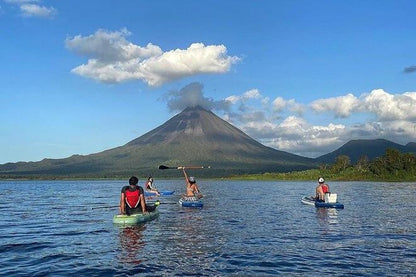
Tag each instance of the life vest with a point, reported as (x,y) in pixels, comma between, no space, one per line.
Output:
(132,198)
(325,189)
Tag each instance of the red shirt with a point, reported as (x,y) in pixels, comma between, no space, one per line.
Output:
(131,197)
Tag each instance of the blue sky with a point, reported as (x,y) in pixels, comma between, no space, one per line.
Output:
(80,77)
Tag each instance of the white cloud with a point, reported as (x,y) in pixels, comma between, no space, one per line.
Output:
(192,96)
(383,105)
(113,59)
(31,8)
(179,63)
(250,94)
(393,118)
(251,108)
(279,104)
(295,135)
(342,105)
(293,132)
(389,107)
(20,1)
(232,99)
(107,47)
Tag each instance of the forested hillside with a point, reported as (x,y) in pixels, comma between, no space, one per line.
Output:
(392,166)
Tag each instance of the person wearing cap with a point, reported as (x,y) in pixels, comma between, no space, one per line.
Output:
(149,186)
(192,189)
(132,198)
(321,189)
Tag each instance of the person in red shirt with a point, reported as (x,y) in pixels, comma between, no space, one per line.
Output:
(132,198)
(321,189)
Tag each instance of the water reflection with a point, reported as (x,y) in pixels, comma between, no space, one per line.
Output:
(192,234)
(195,242)
(327,216)
(131,242)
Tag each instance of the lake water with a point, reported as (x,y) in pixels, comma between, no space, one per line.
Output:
(61,228)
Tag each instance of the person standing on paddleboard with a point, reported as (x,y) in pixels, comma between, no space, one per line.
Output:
(321,189)
(132,198)
(192,189)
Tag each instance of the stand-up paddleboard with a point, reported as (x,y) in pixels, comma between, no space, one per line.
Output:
(134,218)
(139,218)
(191,202)
(162,193)
(310,200)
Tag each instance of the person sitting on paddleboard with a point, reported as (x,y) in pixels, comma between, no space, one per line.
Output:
(149,186)
(132,198)
(321,189)
(192,189)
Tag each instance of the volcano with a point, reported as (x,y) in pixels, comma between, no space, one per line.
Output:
(195,136)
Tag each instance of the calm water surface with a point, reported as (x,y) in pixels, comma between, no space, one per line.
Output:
(60,228)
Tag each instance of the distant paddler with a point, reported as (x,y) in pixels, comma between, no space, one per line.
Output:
(149,186)
(192,189)
(321,190)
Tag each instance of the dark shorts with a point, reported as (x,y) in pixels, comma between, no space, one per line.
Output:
(136,210)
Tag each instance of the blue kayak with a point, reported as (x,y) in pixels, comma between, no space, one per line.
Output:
(310,200)
(162,193)
(191,202)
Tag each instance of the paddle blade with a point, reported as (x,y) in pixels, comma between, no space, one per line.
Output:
(182,167)
(167,167)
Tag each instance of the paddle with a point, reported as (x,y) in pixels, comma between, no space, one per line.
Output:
(160,203)
(104,207)
(156,203)
(162,167)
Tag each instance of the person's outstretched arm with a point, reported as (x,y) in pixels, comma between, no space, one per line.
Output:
(186,175)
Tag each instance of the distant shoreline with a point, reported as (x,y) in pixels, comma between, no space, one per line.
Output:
(293,176)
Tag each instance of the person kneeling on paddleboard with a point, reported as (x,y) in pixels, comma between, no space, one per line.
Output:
(132,198)
(321,189)
(192,189)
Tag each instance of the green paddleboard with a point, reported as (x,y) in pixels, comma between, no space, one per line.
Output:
(135,218)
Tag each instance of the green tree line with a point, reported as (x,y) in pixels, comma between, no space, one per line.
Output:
(392,166)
